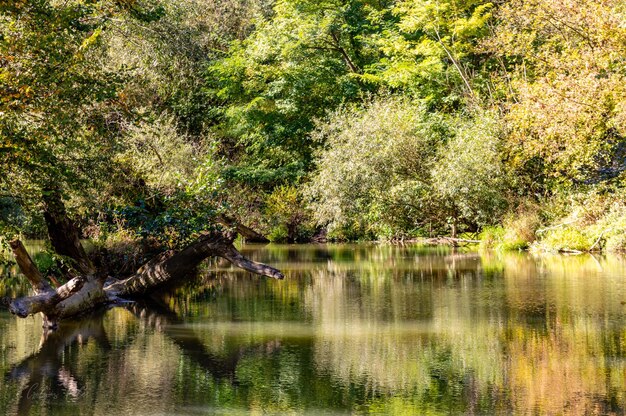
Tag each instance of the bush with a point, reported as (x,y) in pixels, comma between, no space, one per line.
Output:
(565,238)
(288,218)
(517,231)
(617,242)
(491,236)
(610,226)
(279,234)
(520,229)
(469,175)
(595,220)
(124,251)
(160,155)
(373,177)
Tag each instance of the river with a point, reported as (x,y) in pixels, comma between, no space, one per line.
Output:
(368,328)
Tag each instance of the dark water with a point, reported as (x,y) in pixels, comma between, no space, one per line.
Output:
(353,329)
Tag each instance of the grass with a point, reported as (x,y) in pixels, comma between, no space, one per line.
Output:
(517,232)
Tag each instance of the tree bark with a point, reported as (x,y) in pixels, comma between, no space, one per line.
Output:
(28,268)
(170,266)
(63,233)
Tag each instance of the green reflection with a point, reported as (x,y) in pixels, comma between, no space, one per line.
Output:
(380,329)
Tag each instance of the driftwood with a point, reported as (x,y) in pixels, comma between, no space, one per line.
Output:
(455,242)
(88,288)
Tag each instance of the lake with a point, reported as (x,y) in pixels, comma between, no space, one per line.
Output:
(368,328)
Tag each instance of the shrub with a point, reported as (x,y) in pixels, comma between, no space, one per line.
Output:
(616,242)
(279,234)
(160,155)
(491,236)
(520,230)
(565,238)
(373,177)
(469,175)
(287,215)
(123,250)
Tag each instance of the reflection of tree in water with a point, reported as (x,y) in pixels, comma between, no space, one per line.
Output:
(475,339)
(391,333)
(61,370)
(48,373)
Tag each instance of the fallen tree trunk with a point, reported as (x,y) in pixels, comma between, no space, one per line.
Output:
(85,292)
(170,266)
(247,233)
(87,287)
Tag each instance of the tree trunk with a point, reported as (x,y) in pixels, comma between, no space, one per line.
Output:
(63,233)
(28,268)
(91,289)
(247,233)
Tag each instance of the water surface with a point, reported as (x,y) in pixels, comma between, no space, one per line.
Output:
(377,329)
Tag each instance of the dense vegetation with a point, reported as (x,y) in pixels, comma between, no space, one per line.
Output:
(360,119)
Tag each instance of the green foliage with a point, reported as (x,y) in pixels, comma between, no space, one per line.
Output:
(57,96)
(616,242)
(289,219)
(166,57)
(491,236)
(566,80)
(594,221)
(162,157)
(46,263)
(394,169)
(295,66)
(469,176)
(381,119)
(518,231)
(373,176)
(171,220)
(566,238)
(14,220)
(431,50)
(611,227)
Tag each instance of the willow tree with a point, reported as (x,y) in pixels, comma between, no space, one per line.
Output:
(60,130)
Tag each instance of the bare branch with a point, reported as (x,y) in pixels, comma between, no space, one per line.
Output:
(28,268)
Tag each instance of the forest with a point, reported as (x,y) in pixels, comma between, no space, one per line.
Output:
(145,124)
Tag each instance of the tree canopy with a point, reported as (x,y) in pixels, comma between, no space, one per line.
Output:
(377,119)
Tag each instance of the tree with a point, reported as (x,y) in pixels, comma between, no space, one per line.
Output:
(57,101)
(373,177)
(469,175)
(566,83)
(431,51)
(304,60)
(59,136)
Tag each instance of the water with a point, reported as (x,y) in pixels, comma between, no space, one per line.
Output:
(353,329)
